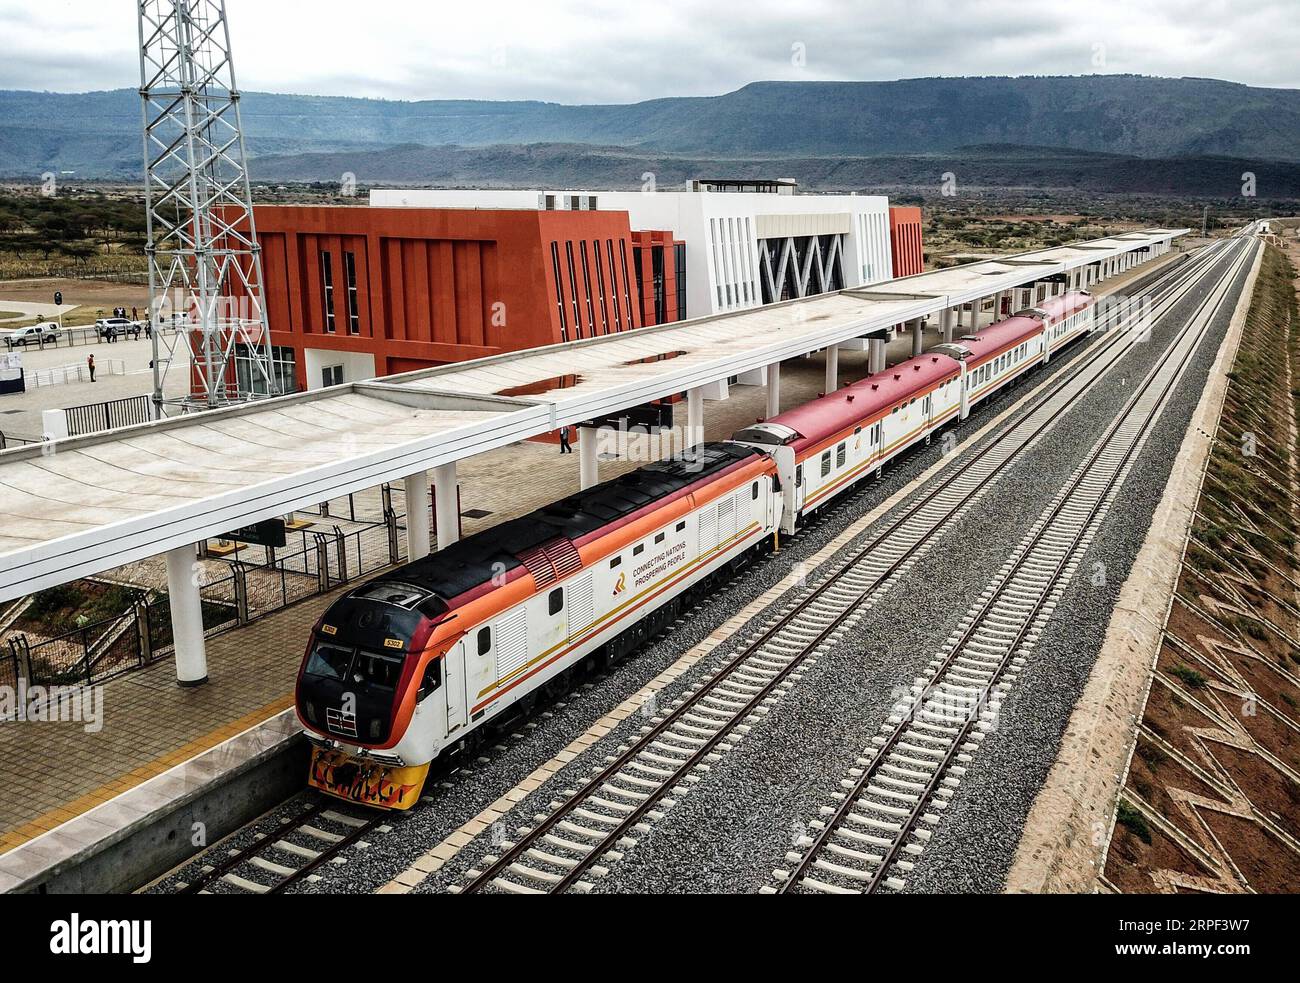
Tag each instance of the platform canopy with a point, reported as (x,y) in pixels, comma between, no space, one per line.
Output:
(79,506)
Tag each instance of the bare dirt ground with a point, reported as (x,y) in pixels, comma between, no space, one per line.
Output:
(85,293)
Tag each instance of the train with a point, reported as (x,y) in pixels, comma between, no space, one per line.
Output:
(410,667)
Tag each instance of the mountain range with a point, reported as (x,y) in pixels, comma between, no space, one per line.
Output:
(810,124)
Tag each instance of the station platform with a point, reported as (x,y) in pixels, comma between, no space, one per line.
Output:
(55,772)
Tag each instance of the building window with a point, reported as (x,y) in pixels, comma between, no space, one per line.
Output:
(600,285)
(660,288)
(559,286)
(573,290)
(586,286)
(613,286)
(327,289)
(636,268)
(332,375)
(627,296)
(252,380)
(679,263)
(354,310)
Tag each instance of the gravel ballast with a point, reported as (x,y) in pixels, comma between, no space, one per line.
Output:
(736,823)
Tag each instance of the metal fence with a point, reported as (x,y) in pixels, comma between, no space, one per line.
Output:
(86,654)
(70,337)
(14,440)
(59,375)
(94,417)
(251,590)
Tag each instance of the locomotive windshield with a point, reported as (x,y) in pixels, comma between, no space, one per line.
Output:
(329,661)
(377,670)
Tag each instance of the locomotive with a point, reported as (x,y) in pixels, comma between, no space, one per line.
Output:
(408,667)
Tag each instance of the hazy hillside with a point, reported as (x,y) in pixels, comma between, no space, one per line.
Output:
(579,166)
(97,134)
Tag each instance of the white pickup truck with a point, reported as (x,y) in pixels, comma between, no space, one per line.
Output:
(33,334)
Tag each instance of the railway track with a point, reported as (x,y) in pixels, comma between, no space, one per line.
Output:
(288,855)
(594,823)
(897,793)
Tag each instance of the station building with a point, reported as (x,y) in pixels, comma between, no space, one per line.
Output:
(427,277)
(748,242)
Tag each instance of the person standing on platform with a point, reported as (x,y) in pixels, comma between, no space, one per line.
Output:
(90,364)
(564,441)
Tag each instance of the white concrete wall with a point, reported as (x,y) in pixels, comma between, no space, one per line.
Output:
(357,366)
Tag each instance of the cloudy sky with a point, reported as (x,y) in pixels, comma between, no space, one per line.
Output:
(581,51)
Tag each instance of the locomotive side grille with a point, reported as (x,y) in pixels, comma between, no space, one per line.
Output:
(582,611)
(539,565)
(512,643)
(708,528)
(564,556)
(726,518)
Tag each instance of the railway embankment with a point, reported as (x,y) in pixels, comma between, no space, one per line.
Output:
(1180,767)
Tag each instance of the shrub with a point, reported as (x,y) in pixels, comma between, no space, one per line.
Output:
(1190,676)
(1134,822)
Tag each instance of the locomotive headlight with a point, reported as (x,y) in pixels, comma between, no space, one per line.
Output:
(374,729)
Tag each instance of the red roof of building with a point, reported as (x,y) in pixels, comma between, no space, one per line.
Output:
(822,418)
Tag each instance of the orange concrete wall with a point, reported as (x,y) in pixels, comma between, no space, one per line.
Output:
(905,240)
(647,241)
(444,285)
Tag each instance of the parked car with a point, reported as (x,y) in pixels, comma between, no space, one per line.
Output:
(33,334)
(110,327)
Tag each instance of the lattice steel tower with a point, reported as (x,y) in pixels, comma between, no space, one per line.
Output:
(205,266)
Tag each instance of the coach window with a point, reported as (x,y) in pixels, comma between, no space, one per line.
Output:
(841,453)
(615,562)
(638,549)
(660,538)
(681,526)
(753,491)
(826,464)
(556,600)
(484,640)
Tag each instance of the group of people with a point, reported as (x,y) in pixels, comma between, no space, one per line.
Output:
(132,330)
